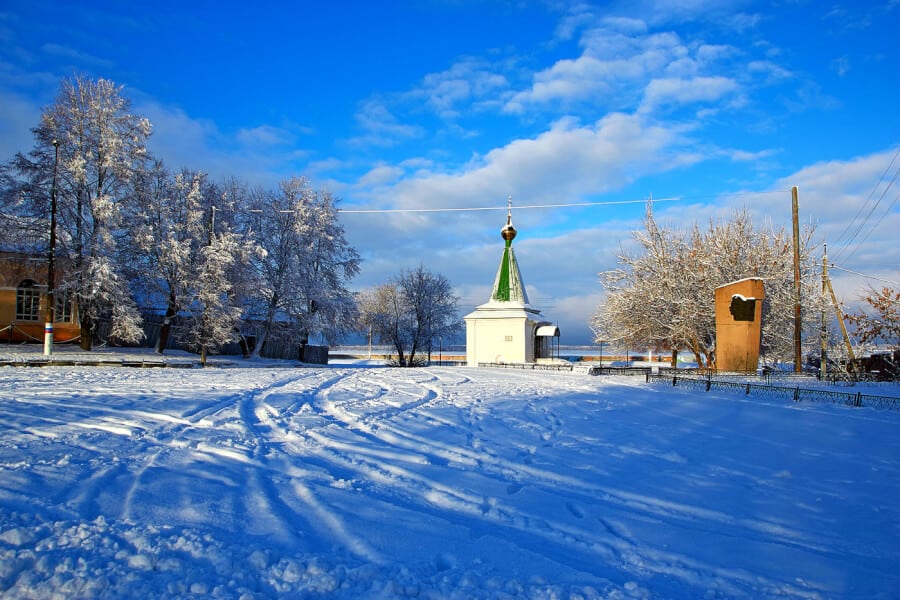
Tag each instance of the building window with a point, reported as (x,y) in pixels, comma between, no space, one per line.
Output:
(28,301)
(509,338)
(62,312)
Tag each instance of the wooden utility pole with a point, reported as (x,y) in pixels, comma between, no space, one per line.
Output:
(795,210)
(840,317)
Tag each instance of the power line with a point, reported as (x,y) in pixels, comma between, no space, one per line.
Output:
(889,208)
(483,208)
(556,205)
(858,228)
(864,275)
(500,208)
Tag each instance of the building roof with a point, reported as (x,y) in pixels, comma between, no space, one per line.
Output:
(508,286)
(509,289)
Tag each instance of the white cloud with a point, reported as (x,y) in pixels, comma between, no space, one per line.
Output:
(179,138)
(265,135)
(185,141)
(745,156)
(568,161)
(76,56)
(673,92)
(18,116)
(664,12)
(465,84)
(380,175)
(381,126)
(711,53)
(841,65)
(769,70)
(578,15)
(618,61)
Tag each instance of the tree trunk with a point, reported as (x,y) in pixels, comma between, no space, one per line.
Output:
(87,333)
(242,342)
(674,362)
(166,328)
(258,344)
(263,335)
(698,354)
(400,358)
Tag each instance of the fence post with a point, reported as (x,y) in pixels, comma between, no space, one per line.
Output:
(858,398)
(796,394)
(674,380)
(747,391)
(708,384)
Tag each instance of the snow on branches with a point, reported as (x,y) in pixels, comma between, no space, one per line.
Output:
(880,320)
(663,295)
(219,258)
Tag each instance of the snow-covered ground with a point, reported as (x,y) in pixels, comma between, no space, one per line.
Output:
(451,482)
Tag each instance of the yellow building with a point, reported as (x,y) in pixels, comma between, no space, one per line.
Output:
(23,302)
(506,328)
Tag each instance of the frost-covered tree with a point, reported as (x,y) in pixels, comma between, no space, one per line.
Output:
(302,275)
(643,304)
(221,276)
(101,146)
(170,231)
(186,256)
(383,318)
(878,318)
(214,314)
(24,211)
(409,312)
(663,295)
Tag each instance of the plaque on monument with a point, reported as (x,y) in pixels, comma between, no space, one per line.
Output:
(742,309)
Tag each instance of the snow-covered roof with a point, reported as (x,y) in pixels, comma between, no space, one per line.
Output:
(547,331)
(739,281)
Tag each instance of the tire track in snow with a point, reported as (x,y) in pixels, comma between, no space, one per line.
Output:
(292,499)
(379,466)
(389,463)
(181,436)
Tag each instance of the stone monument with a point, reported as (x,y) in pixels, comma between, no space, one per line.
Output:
(739,324)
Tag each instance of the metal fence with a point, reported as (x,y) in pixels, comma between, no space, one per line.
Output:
(797,394)
(530,366)
(633,371)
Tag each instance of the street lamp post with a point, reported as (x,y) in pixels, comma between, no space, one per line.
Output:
(51,293)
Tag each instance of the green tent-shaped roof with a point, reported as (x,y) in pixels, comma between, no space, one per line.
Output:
(508,286)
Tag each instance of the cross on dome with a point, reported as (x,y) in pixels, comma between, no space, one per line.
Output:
(508,233)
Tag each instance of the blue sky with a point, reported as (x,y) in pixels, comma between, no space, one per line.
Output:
(708,105)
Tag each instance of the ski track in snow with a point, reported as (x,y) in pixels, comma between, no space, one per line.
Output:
(452,482)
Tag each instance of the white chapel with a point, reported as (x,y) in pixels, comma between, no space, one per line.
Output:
(507,328)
